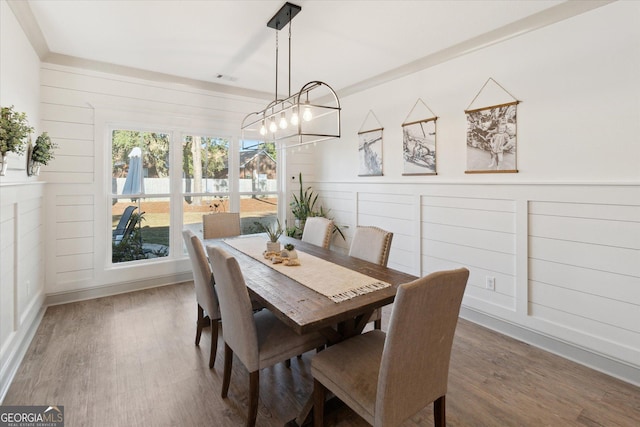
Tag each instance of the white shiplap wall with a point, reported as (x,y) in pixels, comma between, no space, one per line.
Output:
(585,271)
(565,257)
(76,106)
(22,203)
(478,233)
(560,236)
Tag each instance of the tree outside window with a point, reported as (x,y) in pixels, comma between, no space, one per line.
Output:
(140,195)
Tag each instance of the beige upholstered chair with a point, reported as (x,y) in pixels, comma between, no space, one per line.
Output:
(220,224)
(205,294)
(259,339)
(372,244)
(387,379)
(317,231)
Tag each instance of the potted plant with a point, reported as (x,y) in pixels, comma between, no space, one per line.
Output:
(302,207)
(41,154)
(14,129)
(274,231)
(303,204)
(289,251)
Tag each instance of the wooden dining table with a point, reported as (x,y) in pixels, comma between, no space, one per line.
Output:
(305,310)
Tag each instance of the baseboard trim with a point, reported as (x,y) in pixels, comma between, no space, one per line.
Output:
(115,289)
(598,362)
(20,343)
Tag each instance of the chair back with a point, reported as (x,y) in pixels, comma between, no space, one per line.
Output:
(415,361)
(220,224)
(124,220)
(202,277)
(317,231)
(239,330)
(371,244)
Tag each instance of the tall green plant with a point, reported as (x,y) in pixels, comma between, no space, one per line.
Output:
(303,205)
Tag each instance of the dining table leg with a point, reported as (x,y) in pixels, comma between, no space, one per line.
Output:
(304,418)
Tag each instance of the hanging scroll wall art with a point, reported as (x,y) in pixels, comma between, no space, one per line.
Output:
(370,148)
(419,143)
(419,147)
(492,137)
(370,152)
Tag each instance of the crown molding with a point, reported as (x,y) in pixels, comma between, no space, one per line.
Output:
(560,12)
(106,67)
(27,21)
(552,15)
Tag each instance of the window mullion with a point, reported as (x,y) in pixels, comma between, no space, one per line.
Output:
(234,176)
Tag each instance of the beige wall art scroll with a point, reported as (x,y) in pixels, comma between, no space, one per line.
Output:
(419,142)
(492,134)
(370,147)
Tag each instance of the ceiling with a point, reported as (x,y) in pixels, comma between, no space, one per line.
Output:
(342,43)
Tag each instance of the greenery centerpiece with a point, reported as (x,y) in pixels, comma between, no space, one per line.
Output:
(14,129)
(274,231)
(41,154)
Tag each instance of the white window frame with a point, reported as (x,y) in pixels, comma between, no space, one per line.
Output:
(108,118)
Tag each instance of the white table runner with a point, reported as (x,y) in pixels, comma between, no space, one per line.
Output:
(331,280)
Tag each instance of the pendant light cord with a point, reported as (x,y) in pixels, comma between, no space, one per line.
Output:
(276,94)
(290,23)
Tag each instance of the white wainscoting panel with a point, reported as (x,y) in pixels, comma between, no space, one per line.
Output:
(475,233)
(22,272)
(565,257)
(394,212)
(584,271)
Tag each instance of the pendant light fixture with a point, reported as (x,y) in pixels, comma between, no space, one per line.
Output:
(308,116)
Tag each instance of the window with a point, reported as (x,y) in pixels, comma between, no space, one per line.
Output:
(205,178)
(140,195)
(151,202)
(258,185)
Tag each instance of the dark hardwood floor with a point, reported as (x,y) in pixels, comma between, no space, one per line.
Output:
(130,360)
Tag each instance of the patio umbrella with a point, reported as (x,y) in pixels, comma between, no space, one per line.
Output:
(134,183)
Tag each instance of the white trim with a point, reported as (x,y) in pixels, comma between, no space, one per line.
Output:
(19,343)
(66,297)
(476,181)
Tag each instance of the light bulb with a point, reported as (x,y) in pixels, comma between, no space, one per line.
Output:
(294,117)
(306,114)
(283,121)
(263,129)
(272,126)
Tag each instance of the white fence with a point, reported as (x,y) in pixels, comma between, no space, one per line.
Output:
(162,185)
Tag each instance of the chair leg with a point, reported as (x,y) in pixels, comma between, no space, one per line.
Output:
(319,392)
(199,323)
(226,376)
(254,390)
(214,342)
(377,324)
(439,412)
